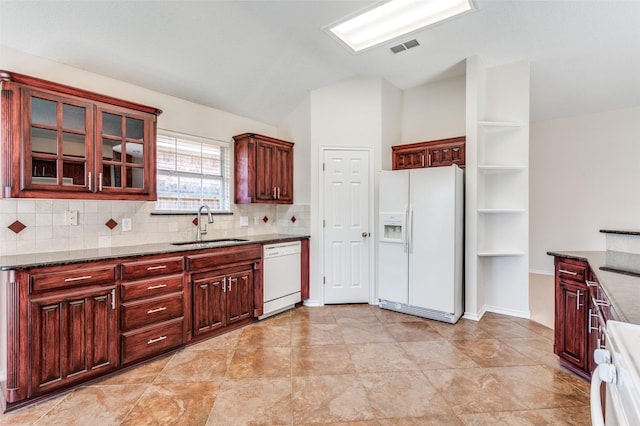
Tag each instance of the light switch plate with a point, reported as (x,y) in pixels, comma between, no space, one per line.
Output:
(126,224)
(71,217)
(244,220)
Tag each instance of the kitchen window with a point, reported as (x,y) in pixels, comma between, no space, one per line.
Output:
(191,171)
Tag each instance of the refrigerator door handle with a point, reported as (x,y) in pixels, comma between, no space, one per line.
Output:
(410,230)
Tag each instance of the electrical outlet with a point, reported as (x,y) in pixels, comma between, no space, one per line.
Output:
(126,224)
(256,220)
(71,217)
(244,220)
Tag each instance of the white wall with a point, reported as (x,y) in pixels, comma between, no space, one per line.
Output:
(178,115)
(434,111)
(584,176)
(347,114)
(44,218)
(297,128)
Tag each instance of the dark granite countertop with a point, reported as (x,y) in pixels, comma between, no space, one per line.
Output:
(619,275)
(619,232)
(25,261)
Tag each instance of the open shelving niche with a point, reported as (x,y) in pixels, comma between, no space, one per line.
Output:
(497,199)
(501,199)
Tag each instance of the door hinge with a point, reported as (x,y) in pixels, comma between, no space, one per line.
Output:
(323,223)
(324,280)
(323,167)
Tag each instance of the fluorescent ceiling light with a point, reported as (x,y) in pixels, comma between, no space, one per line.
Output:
(394,19)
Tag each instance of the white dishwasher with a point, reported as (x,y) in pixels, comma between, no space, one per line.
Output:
(281,277)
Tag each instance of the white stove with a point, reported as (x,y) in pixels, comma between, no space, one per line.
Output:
(619,368)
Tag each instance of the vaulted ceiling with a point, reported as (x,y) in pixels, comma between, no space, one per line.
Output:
(260,58)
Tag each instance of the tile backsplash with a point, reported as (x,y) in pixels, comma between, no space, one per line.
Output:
(46,230)
(623,243)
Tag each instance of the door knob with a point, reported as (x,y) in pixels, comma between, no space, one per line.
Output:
(365,234)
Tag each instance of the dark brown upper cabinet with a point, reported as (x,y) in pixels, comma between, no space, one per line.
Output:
(63,142)
(436,153)
(263,169)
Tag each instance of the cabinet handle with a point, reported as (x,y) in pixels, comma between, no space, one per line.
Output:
(564,271)
(153,268)
(278,193)
(153,311)
(154,287)
(599,302)
(274,193)
(89,181)
(422,159)
(224,285)
(113,299)
(157,339)
(591,315)
(578,305)
(100,182)
(84,277)
(429,159)
(591,283)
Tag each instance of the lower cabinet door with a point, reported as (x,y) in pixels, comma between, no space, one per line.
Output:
(208,304)
(74,337)
(239,296)
(572,301)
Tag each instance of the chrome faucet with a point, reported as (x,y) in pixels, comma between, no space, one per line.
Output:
(202,228)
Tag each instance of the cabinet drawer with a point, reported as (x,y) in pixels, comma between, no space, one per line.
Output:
(149,268)
(152,340)
(574,270)
(150,288)
(76,277)
(221,257)
(149,311)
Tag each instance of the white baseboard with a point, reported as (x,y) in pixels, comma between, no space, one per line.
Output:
(497,310)
(509,312)
(312,303)
(473,315)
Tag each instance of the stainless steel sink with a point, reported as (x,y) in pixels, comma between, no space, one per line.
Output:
(207,243)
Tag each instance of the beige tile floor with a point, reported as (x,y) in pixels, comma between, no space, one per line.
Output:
(342,365)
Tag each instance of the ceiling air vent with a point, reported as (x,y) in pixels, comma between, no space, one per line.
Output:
(404,46)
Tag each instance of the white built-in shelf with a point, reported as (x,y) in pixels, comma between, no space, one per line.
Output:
(501,124)
(500,211)
(500,253)
(501,168)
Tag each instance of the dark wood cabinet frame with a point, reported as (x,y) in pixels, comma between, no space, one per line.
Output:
(263,169)
(15,177)
(435,153)
(100,292)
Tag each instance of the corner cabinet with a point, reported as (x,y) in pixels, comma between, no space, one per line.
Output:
(571,307)
(581,311)
(263,169)
(63,142)
(436,153)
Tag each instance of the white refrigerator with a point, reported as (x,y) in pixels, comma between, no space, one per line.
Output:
(421,242)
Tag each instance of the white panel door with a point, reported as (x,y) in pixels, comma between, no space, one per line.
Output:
(347,243)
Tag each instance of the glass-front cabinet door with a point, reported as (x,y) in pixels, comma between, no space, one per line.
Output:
(123,151)
(58,139)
